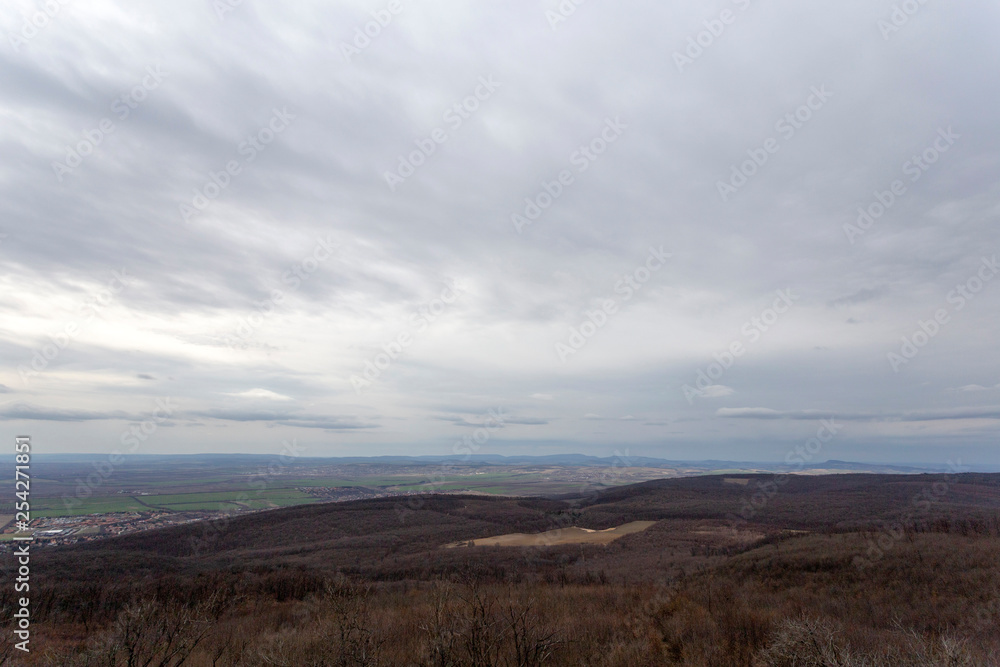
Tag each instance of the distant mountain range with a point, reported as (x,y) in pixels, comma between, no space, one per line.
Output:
(581,460)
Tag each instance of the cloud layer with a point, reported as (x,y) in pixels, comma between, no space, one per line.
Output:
(670,229)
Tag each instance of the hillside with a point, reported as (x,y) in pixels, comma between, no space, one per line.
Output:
(827,548)
(376,537)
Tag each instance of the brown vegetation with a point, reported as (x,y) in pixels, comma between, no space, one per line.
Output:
(813,580)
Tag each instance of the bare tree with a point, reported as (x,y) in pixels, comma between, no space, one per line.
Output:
(532,645)
(147,634)
(442,637)
(358,643)
(480,626)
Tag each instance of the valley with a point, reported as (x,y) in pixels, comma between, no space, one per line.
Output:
(847,562)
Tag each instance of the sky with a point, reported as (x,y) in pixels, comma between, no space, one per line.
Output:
(681,230)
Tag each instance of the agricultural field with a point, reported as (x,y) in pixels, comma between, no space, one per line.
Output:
(81,486)
(211,485)
(42,507)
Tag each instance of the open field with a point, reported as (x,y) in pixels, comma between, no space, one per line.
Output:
(65,487)
(570,535)
(79,486)
(42,507)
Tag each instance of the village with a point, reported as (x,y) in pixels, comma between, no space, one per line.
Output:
(53,531)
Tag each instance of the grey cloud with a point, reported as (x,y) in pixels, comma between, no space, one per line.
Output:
(489,422)
(991,412)
(32,412)
(284,418)
(753,413)
(973,387)
(327,424)
(200,282)
(861,296)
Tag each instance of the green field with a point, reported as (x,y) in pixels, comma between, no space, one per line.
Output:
(216,506)
(182,486)
(332,481)
(223,496)
(52,507)
(180,502)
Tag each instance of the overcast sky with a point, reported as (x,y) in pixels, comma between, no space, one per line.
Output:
(620,226)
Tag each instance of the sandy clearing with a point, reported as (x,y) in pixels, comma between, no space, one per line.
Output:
(572,535)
